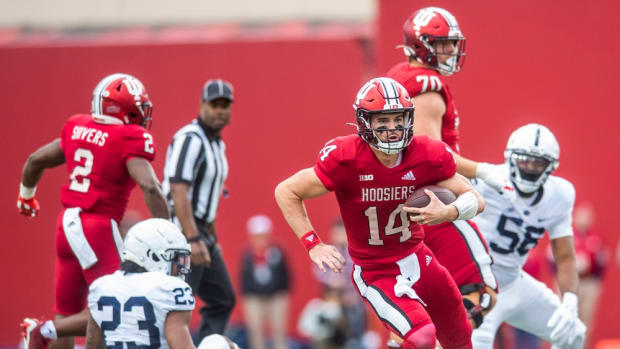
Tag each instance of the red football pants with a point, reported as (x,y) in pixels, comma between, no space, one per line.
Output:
(462,250)
(70,279)
(404,315)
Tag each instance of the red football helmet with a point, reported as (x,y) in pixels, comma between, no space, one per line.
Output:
(427,27)
(383,96)
(124,97)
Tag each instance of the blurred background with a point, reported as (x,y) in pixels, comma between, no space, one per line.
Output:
(296,66)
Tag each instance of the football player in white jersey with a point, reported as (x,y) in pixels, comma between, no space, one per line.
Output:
(146,303)
(513,226)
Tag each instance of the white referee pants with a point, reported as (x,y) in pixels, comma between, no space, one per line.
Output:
(527,304)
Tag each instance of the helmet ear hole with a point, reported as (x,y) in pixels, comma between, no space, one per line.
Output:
(155,258)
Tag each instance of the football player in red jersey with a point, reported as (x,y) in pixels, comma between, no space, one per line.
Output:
(372,174)
(106,153)
(435,48)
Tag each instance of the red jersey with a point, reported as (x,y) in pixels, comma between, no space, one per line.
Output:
(418,80)
(371,196)
(95,155)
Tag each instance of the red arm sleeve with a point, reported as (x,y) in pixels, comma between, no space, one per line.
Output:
(138,142)
(327,165)
(441,159)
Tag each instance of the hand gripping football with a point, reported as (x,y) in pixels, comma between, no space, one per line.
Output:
(419,198)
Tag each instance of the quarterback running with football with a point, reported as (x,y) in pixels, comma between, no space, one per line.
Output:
(435,48)
(372,173)
(512,228)
(106,154)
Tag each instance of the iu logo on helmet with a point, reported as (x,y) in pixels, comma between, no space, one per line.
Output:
(423,18)
(134,86)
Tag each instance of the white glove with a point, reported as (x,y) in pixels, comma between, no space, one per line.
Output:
(564,321)
(495,178)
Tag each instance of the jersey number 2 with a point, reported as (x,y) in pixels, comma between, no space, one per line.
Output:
(390,229)
(81,171)
(147,324)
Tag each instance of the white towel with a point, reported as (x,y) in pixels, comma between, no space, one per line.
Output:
(409,275)
(72,225)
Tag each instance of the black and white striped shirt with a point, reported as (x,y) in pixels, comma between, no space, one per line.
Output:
(198,158)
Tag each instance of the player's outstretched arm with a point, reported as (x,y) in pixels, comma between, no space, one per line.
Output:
(290,194)
(176,329)
(48,156)
(467,204)
(94,337)
(564,254)
(429,110)
(564,320)
(185,214)
(142,173)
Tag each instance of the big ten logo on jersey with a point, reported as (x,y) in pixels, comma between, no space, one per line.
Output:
(327,149)
(90,135)
(429,83)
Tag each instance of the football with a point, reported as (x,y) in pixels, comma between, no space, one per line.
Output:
(419,198)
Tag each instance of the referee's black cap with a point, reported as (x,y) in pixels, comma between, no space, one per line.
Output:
(217,88)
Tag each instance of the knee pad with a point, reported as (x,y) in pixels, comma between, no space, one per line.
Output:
(423,338)
(474,311)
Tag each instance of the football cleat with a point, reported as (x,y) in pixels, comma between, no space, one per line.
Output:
(31,331)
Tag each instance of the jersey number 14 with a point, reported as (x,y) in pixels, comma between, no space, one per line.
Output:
(390,229)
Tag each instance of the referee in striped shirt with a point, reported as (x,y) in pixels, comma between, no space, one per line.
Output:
(194,175)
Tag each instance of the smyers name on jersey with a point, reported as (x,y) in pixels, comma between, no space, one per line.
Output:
(387,193)
(90,135)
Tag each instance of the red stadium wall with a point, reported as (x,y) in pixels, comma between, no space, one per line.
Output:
(549,62)
(290,99)
(527,61)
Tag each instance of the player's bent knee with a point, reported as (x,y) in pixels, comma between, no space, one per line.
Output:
(424,338)
(478,301)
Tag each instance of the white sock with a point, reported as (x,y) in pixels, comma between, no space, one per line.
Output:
(48,330)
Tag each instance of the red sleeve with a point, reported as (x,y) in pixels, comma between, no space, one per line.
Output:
(327,165)
(138,142)
(442,159)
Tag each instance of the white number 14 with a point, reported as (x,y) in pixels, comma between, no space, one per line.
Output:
(373,225)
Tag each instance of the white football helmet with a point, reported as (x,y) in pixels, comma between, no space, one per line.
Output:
(158,245)
(217,341)
(532,153)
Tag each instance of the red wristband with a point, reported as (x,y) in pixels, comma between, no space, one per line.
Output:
(310,239)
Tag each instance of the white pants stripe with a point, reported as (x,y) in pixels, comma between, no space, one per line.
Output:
(118,239)
(384,309)
(74,233)
(478,251)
